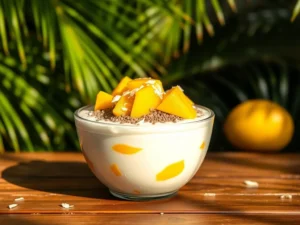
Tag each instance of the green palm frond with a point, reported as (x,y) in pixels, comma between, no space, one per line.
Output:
(180,21)
(296,11)
(251,35)
(69,50)
(30,117)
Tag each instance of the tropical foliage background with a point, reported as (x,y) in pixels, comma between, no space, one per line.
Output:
(55,55)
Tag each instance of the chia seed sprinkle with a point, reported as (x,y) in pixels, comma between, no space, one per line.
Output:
(155,116)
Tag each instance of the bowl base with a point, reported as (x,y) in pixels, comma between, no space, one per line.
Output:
(142,197)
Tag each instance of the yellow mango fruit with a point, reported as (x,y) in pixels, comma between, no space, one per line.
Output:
(174,103)
(259,125)
(103,101)
(145,100)
(123,106)
(136,83)
(121,86)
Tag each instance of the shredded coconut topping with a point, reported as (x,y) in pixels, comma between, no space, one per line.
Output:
(150,82)
(116,98)
(180,88)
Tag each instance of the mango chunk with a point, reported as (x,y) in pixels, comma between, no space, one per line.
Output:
(182,95)
(123,106)
(103,101)
(145,100)
(174,103)
(136,83)
(121,86)
(170,171)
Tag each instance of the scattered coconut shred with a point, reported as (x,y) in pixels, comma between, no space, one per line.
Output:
(66,205)
(209,194)
(286,196)
(11,206)
(251,184)
(19,199)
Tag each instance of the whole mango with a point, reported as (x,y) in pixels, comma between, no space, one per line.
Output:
(259,125)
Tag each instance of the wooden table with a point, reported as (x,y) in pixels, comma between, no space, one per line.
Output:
(45,180)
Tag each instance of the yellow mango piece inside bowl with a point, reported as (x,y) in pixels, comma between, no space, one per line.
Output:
(123,106)
(175,103)
(145,100)
(121,86)
(103,101)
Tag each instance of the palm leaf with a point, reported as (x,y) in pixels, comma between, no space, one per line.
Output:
(296,11)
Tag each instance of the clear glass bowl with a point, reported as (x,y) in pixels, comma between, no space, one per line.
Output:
(138,162)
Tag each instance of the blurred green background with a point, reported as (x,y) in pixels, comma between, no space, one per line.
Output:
(55,55)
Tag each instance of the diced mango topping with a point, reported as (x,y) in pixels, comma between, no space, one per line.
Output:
(145,100)
(182,95)
(103,101)
(137,97)
(123,106)
(174,103)
(121,86)
(137,83)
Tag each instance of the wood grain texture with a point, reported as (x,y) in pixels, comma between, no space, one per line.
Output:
(157,219)
(46,180)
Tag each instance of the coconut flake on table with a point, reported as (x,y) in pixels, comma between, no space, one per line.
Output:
(11,206)
(19,199)
(286,196)
(251,184)
(66,205)
(209,194)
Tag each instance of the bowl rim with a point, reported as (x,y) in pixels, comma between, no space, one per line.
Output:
(184,122)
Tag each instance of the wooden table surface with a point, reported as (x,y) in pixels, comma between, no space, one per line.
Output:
(45,180)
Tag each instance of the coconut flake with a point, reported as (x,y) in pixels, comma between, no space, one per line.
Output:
(251,184)
(19,199)
(180,88)
(157,91)
(141,121)
(126,93)
(11,206)
(209,194)
(66,205)
(286,196)
(150,82)
(116,98)
(124,109)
